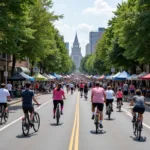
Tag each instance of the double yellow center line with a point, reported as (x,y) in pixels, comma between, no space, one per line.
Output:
(74,141)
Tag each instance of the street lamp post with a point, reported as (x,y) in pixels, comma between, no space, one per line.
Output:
(6,71)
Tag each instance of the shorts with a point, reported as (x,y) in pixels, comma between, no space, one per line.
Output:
(119,99)
(108,101)
(72,89)
(55,102)
(81,89)
(140,110)
(28,109)
(3,104)
(132,91)
(99,106)
(125,93)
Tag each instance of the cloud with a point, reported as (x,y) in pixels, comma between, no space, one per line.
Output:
(84,28)
(100,7)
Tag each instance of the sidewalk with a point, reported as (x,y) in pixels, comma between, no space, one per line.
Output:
(18,100)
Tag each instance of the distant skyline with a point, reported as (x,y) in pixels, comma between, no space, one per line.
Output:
(83,16)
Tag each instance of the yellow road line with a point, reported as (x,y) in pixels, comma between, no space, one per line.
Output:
(76,144)
(73,130)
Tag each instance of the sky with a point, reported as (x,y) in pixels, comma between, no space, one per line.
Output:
(82,16)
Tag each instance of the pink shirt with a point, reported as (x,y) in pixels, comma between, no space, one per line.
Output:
(132,87)
(98,95)
(119,94)
(58,95)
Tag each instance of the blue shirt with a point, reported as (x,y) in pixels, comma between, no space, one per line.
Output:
(27,96)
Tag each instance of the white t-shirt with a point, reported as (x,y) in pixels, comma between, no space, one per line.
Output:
(9,87)
(3,95)
(109,94)
(71,85)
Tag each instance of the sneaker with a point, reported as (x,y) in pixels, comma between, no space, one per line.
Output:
(121,103)
(112,110)
(93,117)
(53,117)
(61,113)
(100,125)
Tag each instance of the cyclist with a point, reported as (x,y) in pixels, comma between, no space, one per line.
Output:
(4,95)
(119,96)
(85,90)
(109,98)
(27,97)
(67,87)
(81,86)
(139,105)
(98,97)
(125,91)
(72,87)
(58,95)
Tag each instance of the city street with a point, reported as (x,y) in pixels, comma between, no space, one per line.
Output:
(76,130)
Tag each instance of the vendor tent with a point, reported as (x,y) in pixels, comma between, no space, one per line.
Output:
(40,77)
(109,77)
(49,77)
(116,75)
(16,77)
(123,76)
(133,77)
(147,77)
(142,75)
(102,77)
(27,77)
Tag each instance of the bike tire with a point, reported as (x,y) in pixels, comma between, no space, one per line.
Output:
(6,116)
(139,130)
(57,120)
(36,119)
(96,124)
(25,126)
(109,115)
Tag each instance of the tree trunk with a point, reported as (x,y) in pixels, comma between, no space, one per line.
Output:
(13,65)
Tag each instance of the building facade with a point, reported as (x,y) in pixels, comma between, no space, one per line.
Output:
(88,52)
(76,53)
(67,46)
(94,37)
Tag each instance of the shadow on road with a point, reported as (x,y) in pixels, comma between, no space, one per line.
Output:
(111,119)
(143,139)
(24,137)
(99,132)
(14,108)
(54,124)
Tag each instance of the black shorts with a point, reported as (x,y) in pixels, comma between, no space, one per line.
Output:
(55,102)
(132,91)
(119,99)
(28,109)
(81,89)
(108,101)
(3,104)
(72,89)
(125,93)
(140,110)
(99,106)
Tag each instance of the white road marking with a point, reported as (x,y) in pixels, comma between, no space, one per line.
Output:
(1,129)
(129,114)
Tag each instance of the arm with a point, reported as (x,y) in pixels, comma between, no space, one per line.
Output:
(92,96)
(104,96)
(35,100)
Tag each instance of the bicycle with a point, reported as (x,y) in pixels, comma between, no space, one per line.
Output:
(3,115)
(81,93)
(26,123)
(96,121)
(137,127)
(57,114)
(119,105)
(109,110)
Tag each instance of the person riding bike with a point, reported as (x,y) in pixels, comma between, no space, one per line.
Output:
(4,95)
(58,95)
(72,87)
(98,97)
(27,97)
(119,96)
(81,86)
(125,91)
(109,98)
(67,87)
(85,90)
(139,105)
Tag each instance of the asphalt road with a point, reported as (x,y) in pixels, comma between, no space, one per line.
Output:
(76,130)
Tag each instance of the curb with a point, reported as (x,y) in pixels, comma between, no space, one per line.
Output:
(18,101)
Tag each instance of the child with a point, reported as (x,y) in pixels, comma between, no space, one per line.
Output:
(119,96)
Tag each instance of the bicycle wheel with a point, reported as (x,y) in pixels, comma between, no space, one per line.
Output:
(6,115)
(139,130)
(119,106)
(36,121)
(25,126)
(57,115)
(96,125)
